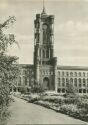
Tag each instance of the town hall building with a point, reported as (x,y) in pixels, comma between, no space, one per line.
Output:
(45,70)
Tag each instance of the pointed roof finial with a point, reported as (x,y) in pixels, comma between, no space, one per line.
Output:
(43,12)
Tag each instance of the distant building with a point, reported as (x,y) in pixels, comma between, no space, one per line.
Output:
(26,77)
(75,75)
(45,70)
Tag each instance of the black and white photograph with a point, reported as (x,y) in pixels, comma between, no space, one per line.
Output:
(43,62)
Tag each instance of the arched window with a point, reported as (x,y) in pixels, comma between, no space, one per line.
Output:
(71,74)
(75,74)
(44,35)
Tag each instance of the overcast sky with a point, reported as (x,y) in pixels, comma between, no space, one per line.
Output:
(70,28)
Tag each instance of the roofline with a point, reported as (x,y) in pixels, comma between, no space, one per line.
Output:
(72,67)
(25,65)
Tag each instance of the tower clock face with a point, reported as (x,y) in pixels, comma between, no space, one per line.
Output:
(44,26)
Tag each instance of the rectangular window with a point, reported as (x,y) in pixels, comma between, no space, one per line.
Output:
(59,82)
(71,80)
(67,80)
(67,74)
(80,85)
(75,82)
(84,81)
(84,90)
(63,84)
(80,90)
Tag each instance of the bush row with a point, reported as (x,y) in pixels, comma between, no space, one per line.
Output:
(74,111)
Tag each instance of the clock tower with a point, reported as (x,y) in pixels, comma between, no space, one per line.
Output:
(45,63)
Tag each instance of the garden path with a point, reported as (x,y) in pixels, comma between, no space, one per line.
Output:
(23,112)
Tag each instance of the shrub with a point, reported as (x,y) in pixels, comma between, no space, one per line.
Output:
(23,90)
(70,91)
(33,98)
(69,109)
(54,99)
(83,103)
(4,114)
(37,89)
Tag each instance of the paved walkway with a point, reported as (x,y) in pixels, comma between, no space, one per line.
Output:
(28,113)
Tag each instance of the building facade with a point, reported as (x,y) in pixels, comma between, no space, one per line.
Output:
(25,78)
(45,71)
(75,76)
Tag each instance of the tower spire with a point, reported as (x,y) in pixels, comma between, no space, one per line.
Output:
(43,12)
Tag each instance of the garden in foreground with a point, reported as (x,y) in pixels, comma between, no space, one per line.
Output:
(70,104)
